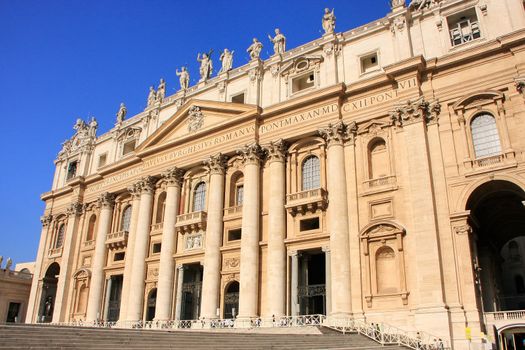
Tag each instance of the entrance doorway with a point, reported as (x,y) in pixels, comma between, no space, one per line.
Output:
(191,292)
(312,283)
(151,303)
(13,313)
(49,291)
(115,292)
(231,300)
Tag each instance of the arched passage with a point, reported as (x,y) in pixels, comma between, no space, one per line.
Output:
(497,217)
(49,291)
(231,300)
(151,302)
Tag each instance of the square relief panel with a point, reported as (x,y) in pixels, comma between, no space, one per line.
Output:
(381,209)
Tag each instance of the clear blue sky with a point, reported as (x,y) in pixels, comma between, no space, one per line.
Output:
(60,60)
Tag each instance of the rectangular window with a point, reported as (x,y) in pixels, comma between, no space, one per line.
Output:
(303,82)
(234,235)
(239,195)
(156,248)
(239,98)
(128,147)
(369,63)
(463,27)
(72,169)
(102,160)
(309,224)
(119,256)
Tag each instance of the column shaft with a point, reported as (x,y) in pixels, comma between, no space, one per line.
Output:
(294,285)
(328,279)
(178,299)
(97,274)
(106,300)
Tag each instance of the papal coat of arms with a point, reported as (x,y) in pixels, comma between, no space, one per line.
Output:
(195,119)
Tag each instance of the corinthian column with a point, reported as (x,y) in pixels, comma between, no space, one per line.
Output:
(45,220)
(73,213)
(106,203)
(173,179)
(276,265)
(337,213)
(140,251)
(135,191)
(212,258)
(251,212)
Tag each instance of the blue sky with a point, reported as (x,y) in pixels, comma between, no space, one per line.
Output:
(60,60)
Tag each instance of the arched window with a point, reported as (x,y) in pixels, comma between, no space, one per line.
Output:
(378,162)
(520,286)
(91,228)
(485,136)
(83,293)
(387,280)
(60,236)
(199,197)
(514,251)
(126,219)
(311,173)
(237,189)
(161,205)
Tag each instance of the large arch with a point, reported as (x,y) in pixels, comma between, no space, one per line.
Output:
(49,290)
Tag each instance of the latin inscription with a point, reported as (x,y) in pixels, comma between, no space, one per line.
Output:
(298,118)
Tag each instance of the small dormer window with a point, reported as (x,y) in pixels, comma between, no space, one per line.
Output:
(463,27)
(72,169)
(239,98)
(369,63)
(129,147)
(303,82)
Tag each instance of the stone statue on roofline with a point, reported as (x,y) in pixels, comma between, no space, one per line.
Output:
(121,114)
(255,49)
(328,21)
(227,60)
(279,42)
(161,90)
(418,5)
(8,264)
(184,78)
(206,65)
(1,260)
(396,3)
(152,96)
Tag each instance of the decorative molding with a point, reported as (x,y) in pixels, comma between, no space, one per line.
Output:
(276,151)
(251,154)
(195,119)
(46,220)
(463,229)
(216,164)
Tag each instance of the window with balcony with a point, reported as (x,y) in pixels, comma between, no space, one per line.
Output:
(485,137)
(126,219)
(199,197)
(311,173)
(463,27)
(91,228)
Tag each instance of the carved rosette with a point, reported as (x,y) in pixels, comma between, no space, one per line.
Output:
(106,200)
(251,154)
(46,220)
(216,164)
(276,151)
(173,176)
(415,111)
(147,184)
(134,190)
(75,209)
(338,133)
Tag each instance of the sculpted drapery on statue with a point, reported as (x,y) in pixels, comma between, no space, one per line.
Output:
(328,21)
(279,42)
(184,78)
(422,4)
(121,114)
(397,3)
(206,66)
(152,96)
(227,61)
(161,90)
(255,49)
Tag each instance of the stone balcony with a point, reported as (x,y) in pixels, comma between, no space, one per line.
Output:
(156,229)
(88,245)
(55,252)
(307,201)
(496,162)
(233,212)
(383,183)
(117,240)
(191,222)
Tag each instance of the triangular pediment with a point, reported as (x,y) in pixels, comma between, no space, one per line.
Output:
(194,119)
(373,126)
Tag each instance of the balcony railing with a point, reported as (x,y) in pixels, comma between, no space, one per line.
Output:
(89,244)
(380,182)
(306,201)
(157,228)
(117,239)
(55,252)
(189,222)
(505,315)
(489,161)
(233,212)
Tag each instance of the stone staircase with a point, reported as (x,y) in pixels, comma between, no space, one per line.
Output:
(55,337)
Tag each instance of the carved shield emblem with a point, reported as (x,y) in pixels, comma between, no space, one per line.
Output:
(195,119)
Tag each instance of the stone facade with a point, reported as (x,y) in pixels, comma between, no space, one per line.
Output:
(15,286)
(337,177)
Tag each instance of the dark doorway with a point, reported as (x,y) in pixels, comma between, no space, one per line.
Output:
(115,292)
(151,303)
(231,300)
(49,291)
(13,313)
(191,292)
(312,283)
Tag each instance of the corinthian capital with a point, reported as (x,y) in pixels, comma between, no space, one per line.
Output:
(276,151)
(216,164)
(147,184)
(106,200)
(46,220)
(251,154)
(173,176)
(338,133)
(74,209)
(415,111)
(135,190)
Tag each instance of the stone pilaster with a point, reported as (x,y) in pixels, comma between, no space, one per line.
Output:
(32,303)
(294,284)
(106,203)
(178,298)
(136,295)
(328,282)
(73,213)
(135,191)
(173,177)
(216,166)
(337,213)
(251,212)
(276,262)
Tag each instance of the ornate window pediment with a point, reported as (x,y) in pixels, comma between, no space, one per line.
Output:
(301,64)
(373,127)
(478,99)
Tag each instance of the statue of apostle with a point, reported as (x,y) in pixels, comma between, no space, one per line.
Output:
(184,78)
(328,21)
(255,49)
(152,96)
(161,90)
(227,60)
(206,68)
(121,114)
(279,42)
